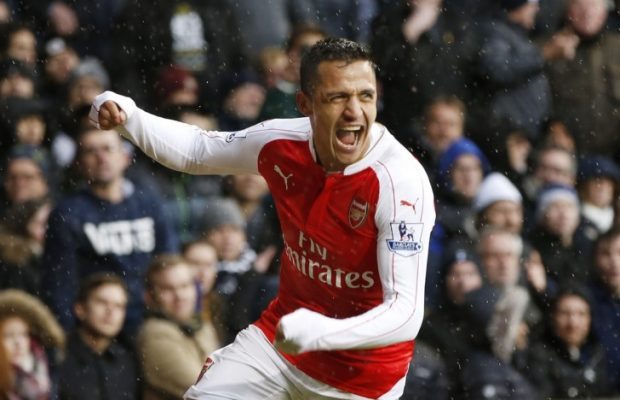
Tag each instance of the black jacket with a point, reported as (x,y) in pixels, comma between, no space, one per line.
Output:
(512,90)
(557,375)
(85,374)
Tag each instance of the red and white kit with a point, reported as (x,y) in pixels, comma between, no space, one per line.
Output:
(356,242)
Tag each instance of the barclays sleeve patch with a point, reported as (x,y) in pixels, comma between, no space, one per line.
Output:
(406,238)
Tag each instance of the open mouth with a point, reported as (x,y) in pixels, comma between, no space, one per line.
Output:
(348,136)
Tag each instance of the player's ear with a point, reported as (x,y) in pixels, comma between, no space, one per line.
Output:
(304,103)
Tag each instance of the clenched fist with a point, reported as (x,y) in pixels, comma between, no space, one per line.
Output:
(111,115)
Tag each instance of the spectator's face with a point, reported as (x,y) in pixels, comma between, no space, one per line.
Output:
(342,109)
(23,47)
(203,258)
(587,17)
(598,192)
(17,85)
(24,181)
(444,125)
(559,135)
(187,94)
(500,259)
(245,101)
(60,66)
(571,320)
(103,313)
(83,91)
(608,263)
(561,218)
(504,214)
(229,241)
(304,42)
(5,12)
(15,338)
(249,187)
(30,130)
(555,166)
(174,292)
(462,279)
(467,176)
(102,156)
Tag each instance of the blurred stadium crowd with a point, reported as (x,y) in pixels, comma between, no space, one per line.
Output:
(119,276)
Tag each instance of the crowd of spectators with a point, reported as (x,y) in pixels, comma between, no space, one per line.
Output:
(118,276)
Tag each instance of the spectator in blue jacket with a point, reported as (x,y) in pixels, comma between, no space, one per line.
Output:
(112,225)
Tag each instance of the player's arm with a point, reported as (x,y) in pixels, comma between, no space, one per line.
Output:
(177,145)
(402,268)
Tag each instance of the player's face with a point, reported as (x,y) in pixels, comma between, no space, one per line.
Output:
(342,109)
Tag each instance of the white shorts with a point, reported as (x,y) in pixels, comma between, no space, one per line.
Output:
(252,369)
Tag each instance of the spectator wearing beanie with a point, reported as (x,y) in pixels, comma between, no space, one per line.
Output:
(498,203)
(88,79)
(27,176)
(244,97)
(239,279)
(597,184)
(60,61)
(177,87)
(559,235)
(445,328)
(461,169)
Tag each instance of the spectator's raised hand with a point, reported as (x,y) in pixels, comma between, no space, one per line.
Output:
(424,14)
(561,46)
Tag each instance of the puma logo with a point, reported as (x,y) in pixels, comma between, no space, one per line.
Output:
(408,204)
(278,171)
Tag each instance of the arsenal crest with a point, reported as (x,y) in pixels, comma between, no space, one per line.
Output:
(358,211)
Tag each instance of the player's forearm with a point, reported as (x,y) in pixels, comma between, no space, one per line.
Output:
(171,143)
(394,321)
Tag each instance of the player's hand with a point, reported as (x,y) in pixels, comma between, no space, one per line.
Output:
(111,115)
(283,344)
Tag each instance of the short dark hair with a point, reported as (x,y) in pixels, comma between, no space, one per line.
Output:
(330,49)
(97,280)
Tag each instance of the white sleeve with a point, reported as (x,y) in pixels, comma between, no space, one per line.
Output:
(184,147)
(402,268)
